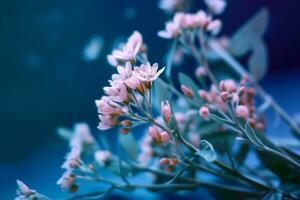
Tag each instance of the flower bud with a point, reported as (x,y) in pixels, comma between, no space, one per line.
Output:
(241,91)
(203,95)
(166,111)
(154,133)
(126,122)
(242,111)
(228,86)
(165,137)
(200,72)
(224,96)
(125,131)
(187,91)
(204,112)
(165,161)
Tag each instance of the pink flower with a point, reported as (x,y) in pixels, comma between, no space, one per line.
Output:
(147,73)
(66,180)
(117,91)
(129,50)
(102,157)
(190,21)
(242,111)
(165,109)
(126,75)
(228,86)
(204,95)
(173,30)
(202,19)
(106,122)
(216,6)
(214,26)
(204,112)
(107,107)
(154,133)
(224,96)
(82,134)
(187,91)
(157,136)
(73,159)
(200,72)
(24,191)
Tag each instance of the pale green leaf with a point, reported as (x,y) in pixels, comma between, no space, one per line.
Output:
(206,151)
(64,133)
(128,143)
(243,40)
(258,61)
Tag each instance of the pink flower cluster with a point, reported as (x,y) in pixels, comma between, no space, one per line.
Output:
(80,142)
(182,22)
(241,97)
(123,85)
(129,50)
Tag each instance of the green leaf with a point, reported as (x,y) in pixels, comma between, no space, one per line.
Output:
(242,41)
(251,135)
(258,62)
(187,81)
(170,58)
(64,133)
(206,151)
(128,143)
(161,92)
(219,119)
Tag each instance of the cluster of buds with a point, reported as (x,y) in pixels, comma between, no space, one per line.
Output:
(169,164)
(182,22)
(241,97)
(129,50)
(81,141)
(123,86)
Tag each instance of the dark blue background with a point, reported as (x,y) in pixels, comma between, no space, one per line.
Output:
(44,82)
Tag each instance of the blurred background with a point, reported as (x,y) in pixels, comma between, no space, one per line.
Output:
(53,67)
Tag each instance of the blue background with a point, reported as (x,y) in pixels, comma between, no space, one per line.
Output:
(45,83)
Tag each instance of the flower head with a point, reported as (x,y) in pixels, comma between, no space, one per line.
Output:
(129,50)
(147,73)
